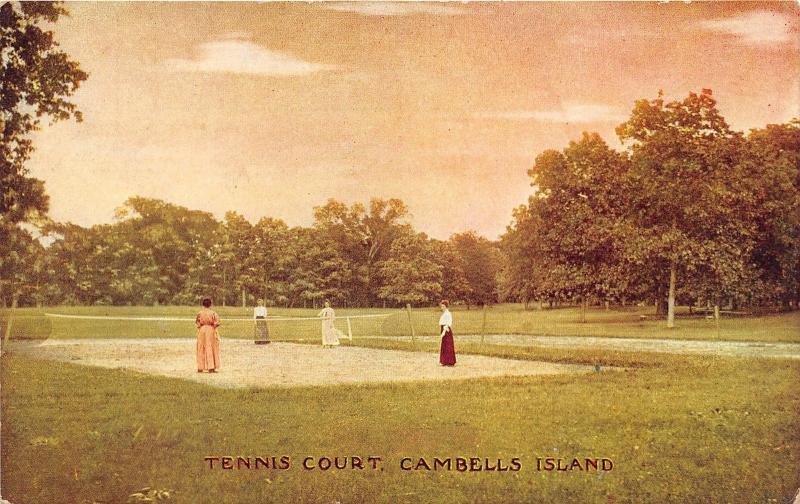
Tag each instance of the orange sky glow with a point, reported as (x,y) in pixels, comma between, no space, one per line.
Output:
(270,109)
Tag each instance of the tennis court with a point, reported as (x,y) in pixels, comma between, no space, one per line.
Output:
(281,364)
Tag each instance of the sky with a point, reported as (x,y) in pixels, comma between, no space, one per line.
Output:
(271,109)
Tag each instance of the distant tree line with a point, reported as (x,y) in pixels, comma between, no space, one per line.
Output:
(160,253)
(692,212)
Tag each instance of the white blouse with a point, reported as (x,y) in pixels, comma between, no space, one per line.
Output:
(446,319)
(260,311)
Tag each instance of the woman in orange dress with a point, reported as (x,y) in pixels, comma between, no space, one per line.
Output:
(207,322)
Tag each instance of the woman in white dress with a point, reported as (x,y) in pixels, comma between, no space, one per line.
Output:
(447,351)
(261,328)
(330,336)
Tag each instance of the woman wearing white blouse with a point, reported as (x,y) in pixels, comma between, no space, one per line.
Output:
(447,352)
(260,318)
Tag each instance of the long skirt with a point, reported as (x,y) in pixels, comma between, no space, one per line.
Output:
(447,353)
(207,348)
(262,330)
(330,336)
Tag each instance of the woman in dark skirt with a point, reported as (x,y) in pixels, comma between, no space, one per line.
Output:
(262,329)
(447,353)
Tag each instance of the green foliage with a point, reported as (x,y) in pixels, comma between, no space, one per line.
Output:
(690,200)
(363,238)
(159,253)
(580,196)
(481,262)
(455,285)
(36,80)
(774,165)
(411,274)
(22,267)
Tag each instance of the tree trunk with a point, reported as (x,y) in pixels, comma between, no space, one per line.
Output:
(584,303)
(224,286)
(673,267)
(410,322)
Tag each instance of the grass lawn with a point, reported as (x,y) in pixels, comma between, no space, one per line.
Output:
(500,319)
(677,428)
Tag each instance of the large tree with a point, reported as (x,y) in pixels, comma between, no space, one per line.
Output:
(523,275)
(455,286)
(773,169)
(317,271)
(364,238)
(411,275)
(683,191)
(268,261)
(237,233)
(186,245)
(481,263)
(581,196)
(36,78)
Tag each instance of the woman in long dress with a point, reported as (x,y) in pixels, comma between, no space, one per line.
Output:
(260,318)
(330,336)
(447,352)
(207,322)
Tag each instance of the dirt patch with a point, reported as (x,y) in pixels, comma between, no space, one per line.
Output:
(283,364)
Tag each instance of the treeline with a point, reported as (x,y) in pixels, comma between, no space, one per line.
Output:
(160,253)
(692,212)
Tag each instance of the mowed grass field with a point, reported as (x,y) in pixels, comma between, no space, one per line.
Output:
(677,428)
(632,322)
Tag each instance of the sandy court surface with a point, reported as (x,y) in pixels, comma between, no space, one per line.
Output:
(245,364)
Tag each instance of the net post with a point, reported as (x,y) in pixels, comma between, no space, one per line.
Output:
(410,322)
(349,330)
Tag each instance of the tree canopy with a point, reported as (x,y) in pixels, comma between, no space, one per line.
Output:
(691,211)
(36,80)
